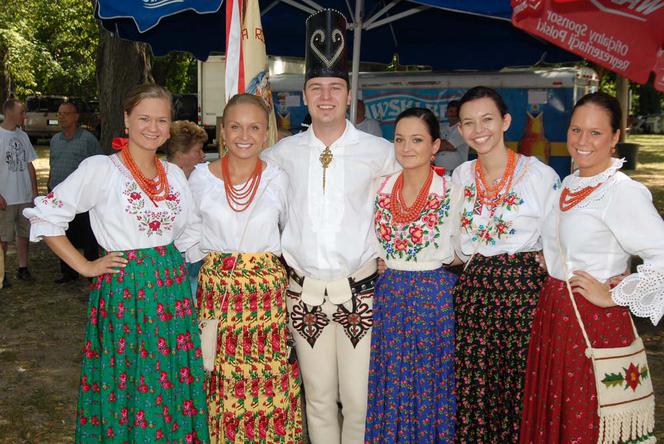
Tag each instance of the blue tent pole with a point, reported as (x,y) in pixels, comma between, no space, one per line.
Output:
(355,69)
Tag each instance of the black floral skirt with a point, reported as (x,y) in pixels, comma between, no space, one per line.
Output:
(494,301)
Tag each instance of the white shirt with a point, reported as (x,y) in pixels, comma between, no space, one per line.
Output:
(516,225)
(370,126)
(600,234)
(451,159)
(16,152)
(328,235)
(121,214)
(428,242)
(215,226)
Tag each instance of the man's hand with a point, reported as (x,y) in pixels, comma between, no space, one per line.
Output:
(3,203)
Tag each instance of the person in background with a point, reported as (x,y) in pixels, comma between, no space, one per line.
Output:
(328,240)
(507,198)
(453,149)
(18,185)
(601,219)
(68,149)
(142,374)
(366,124)
(185,147)
(253,389)
(411,377)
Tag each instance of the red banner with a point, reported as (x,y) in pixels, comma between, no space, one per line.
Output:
(625,36)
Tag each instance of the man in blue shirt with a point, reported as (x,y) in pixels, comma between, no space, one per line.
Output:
(68,149)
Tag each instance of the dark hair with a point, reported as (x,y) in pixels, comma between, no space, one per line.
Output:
(245,98)
(72,104)
(424,114)
(453,104)
(605,101)
(146,91)
(184,135)
(9,105)
(480,92)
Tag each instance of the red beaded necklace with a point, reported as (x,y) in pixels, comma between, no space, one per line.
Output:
(491,195)
(156,189)
(241,197)
(570,199)
(401,213)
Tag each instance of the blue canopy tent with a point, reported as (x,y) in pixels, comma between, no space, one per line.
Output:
(445,34)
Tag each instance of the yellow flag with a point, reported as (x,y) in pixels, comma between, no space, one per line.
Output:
(256,72)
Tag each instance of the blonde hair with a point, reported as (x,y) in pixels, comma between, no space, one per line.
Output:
(245,98)
(184,135)
(146,91)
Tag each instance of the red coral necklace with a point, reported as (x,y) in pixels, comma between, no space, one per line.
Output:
(239,198)
(156,189)
(401,213)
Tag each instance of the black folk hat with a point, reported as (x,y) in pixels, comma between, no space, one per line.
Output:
(325,54)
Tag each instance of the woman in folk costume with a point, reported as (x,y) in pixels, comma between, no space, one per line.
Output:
(142,375)
(411,377)
(602,218)
(253,389)
(506,198)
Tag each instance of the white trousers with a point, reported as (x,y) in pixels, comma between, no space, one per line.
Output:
(333,343)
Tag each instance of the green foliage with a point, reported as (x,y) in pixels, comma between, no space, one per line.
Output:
(613,379)
(48,47)
(176,72)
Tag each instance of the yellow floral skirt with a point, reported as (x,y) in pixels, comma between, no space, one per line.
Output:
(253,393)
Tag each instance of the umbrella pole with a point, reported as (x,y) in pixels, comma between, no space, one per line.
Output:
(622,94)
(357,42)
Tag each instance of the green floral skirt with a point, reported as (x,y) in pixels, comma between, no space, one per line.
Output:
(142,374)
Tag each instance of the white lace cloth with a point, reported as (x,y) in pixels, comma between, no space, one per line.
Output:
(642,292)
(575,183)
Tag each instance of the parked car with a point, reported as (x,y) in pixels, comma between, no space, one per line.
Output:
(41,120)
(41,117)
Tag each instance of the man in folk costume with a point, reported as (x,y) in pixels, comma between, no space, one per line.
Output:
(327,241)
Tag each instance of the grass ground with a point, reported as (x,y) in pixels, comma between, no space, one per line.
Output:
(42,325)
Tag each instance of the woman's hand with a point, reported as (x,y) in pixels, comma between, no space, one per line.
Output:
(594,291)
(381,266)
(111,263)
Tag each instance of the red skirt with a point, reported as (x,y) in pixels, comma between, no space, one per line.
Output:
(560,398)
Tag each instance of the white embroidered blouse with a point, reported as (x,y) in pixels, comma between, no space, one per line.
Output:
(426,243)
(214,226)
(600,234)
(122,216)
(515,225)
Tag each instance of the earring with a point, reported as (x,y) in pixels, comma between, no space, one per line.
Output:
(126,131)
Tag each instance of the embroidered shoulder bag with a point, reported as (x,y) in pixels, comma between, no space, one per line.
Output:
(625,397)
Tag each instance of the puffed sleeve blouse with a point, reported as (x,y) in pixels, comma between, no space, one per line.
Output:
(515,225)
(122,216)
(215,226)
(426,243)
(600,234)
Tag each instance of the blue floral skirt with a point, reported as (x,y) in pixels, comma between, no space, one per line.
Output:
(411,376)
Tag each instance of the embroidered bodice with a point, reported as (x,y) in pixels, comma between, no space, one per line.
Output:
(122,216)
(515,224)
(427,242)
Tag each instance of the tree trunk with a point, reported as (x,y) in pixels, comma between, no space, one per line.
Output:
(121,65)
(6,90)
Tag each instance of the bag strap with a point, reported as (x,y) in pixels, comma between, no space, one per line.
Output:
(570,293)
